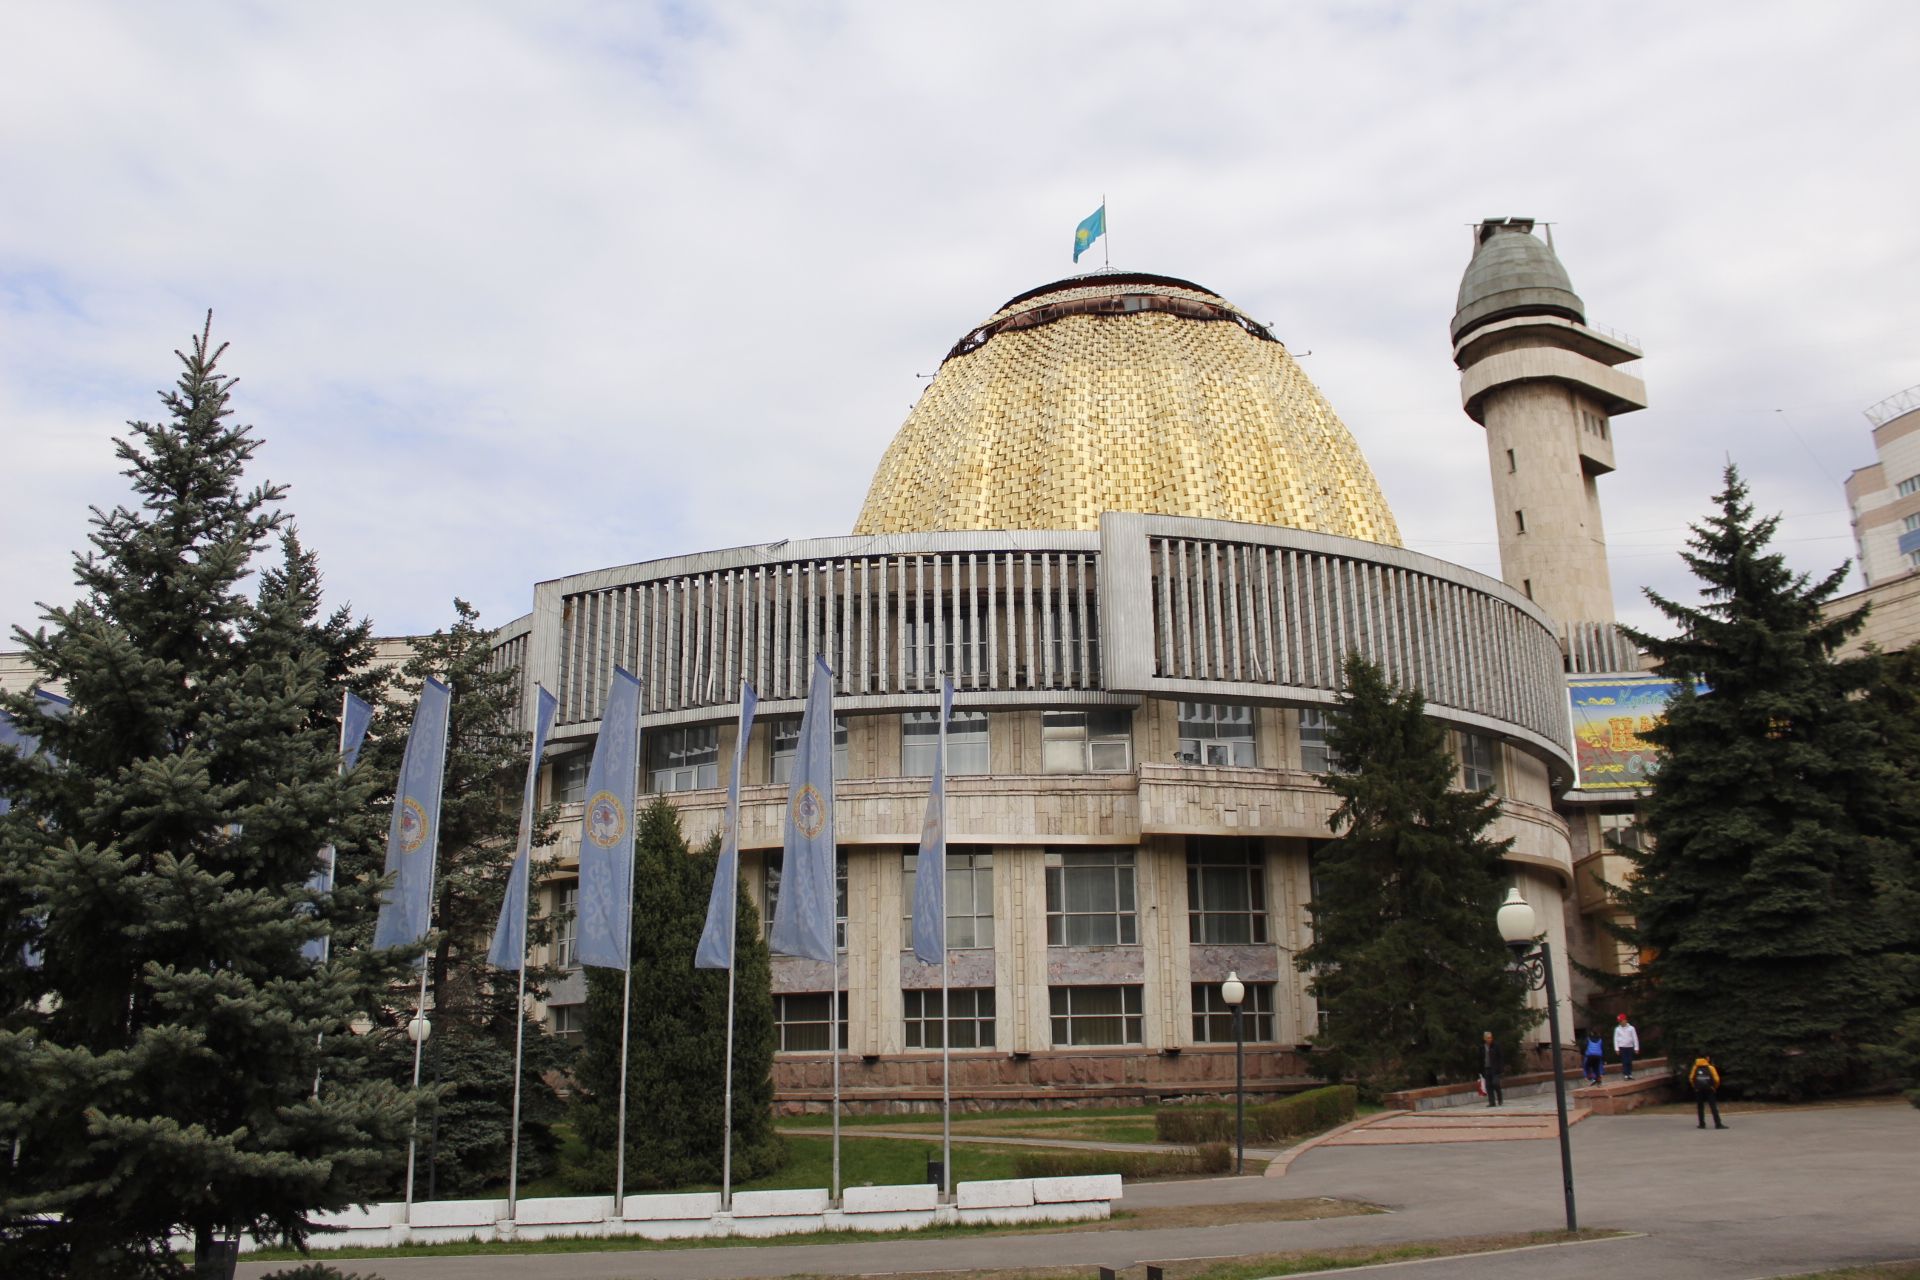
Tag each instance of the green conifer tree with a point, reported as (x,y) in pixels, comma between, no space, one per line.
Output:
(1406,957)
(159,1049)
(675,1103)
(465,1139)
(1773,821)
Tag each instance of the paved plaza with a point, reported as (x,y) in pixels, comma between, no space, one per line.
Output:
(1780,1192)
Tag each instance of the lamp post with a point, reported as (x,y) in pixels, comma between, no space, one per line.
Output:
(1533,966)
(419,1028)
(1233,991)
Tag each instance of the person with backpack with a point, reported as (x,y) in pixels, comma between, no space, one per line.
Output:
(1626,1043)
(1706,1090)
(1594,1056)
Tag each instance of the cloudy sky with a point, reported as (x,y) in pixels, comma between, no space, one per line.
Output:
(516,291)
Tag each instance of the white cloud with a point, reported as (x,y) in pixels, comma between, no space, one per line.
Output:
(486,271)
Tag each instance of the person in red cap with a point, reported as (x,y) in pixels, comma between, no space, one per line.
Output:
(1626,1043)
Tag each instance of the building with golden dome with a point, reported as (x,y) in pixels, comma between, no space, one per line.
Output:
(1142,543)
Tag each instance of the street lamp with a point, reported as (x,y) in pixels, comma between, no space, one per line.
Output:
(1233,991)
(1533,966)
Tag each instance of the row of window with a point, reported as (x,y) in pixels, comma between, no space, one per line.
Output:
(1091,899)
(1079,1017)
(1100,740)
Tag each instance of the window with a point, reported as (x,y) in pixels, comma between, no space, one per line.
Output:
(961,648)
(1596,424)
(1519,522)
(971,1020)
(569,1021)
(1511,467)
(683,759)
(570,778)
(1213,1016)
(1911,524)
(1526,585)
(784,736)
(1620,831)
(1315,755)
(566,914)
(1909,486)
(1090,899)
(966,743)
(775,858)
(800,1022)
(969,899)
(1479,763)
(1216,733)
(1070,623)
(1913,558)
(1098,741)
(1096,1015)
(1226,892)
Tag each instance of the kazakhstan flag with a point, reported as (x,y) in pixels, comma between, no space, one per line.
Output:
(1091,228)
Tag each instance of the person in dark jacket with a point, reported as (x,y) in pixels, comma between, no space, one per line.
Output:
(1490,1065)
(1705,1078)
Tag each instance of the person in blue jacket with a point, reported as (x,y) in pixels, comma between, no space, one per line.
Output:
(1594,1057)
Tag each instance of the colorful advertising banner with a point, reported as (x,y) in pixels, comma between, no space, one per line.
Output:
(1610,719)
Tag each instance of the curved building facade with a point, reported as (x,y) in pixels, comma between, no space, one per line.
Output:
(1142,544)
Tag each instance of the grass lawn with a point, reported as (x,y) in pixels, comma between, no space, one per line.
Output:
(1090,1124)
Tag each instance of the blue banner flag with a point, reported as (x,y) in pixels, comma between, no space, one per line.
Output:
(606,830)
(356,714)
(509,949)
(930,870)
(723,904)
(803,918)
(413,836)
(1091,228)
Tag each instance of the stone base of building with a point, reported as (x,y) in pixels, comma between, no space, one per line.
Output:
(1050,1079)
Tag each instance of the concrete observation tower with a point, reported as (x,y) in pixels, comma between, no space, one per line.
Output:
(1545,386)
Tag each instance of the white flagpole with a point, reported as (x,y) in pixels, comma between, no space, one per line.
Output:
(626,989)
(326,943)
(946,965)
(519,1046)
(1106,237)
(726,1152)
(426,964)
(836,1010)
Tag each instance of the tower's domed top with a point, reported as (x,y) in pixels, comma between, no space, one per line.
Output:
(1122,392)
(1513,272)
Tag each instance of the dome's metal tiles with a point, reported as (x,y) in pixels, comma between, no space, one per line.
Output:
(1122,393)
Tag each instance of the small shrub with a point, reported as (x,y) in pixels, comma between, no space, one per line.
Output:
(1211,1157)
(1307,1112)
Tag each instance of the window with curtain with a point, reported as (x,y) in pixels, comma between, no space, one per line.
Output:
(969,899)
(967,746)
(1087,1016)
(1216,733)
(971,1021)
(686,758)
(1226,892)
(1090,899)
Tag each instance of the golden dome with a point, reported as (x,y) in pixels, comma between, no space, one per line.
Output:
(1122,392)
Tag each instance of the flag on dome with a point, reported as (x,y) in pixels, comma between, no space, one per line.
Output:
(509,949)
(606,830)
(413,836)
(803,917)
(723,904)
(1091,228)
(930,870)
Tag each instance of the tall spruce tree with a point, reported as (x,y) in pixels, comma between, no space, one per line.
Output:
(1406,957)
(465,1138)
(160,1042)
(675,1104)
(1775,820)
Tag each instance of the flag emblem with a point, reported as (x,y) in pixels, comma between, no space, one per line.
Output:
(413,826)
(809,812)
(606,823)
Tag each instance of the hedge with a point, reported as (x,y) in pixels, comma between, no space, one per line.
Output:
(1290,1117)
(1211,1157)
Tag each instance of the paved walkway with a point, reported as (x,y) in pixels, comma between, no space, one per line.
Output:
(1779,1193)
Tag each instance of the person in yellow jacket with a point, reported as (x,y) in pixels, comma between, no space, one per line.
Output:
(1705,1079)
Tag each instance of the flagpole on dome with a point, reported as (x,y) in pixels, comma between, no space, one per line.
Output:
(1106,239)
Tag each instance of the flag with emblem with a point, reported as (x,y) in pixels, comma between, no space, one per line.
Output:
(716,940)
(930,869)
(803,918)
(509,949)
(413,835)
(605,909)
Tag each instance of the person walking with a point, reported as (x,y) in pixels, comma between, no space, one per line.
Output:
(1706,1090)
(1490,1065)
(1594,1056)
(1626,1043)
